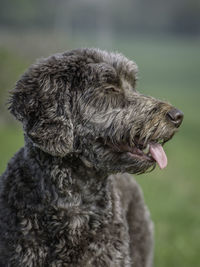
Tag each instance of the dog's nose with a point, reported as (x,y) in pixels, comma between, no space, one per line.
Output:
(175,116)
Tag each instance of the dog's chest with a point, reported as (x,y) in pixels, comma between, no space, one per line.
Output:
(90,236)
(103,246)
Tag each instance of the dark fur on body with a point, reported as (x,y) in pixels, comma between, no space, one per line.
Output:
(64,200)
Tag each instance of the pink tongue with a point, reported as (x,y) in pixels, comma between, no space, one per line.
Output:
(158,153)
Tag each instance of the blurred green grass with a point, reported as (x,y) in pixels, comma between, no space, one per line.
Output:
(169,70)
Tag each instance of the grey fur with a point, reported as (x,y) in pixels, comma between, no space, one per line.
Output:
(66,199)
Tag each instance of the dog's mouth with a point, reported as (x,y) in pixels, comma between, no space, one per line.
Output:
(151,151)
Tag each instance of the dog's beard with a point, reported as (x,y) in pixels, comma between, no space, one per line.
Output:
(104,158)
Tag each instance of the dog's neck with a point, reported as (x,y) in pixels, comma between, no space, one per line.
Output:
(80,196)
(70,176)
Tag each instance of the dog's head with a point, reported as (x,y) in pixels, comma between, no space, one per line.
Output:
(84,103)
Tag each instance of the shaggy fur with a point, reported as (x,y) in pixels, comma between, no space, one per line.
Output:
(64,200)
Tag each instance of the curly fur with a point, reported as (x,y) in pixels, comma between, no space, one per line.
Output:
(66,199)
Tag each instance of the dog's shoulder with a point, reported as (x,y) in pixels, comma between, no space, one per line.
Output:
(127,188)
(124,181)
(14,164)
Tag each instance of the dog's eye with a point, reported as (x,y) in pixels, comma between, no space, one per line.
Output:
(111,89)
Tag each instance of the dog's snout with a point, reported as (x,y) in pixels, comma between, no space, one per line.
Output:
(175,116)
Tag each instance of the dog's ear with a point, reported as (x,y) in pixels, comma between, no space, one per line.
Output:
(41,101)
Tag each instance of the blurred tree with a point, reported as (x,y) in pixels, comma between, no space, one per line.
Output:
(127,16)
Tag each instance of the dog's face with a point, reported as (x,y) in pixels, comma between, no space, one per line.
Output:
(84,103)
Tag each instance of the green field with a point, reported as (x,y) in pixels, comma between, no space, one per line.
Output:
(169,69)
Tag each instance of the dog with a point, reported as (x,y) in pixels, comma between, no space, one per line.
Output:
(66,198)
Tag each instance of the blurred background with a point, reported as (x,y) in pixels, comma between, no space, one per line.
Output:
(163,37)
